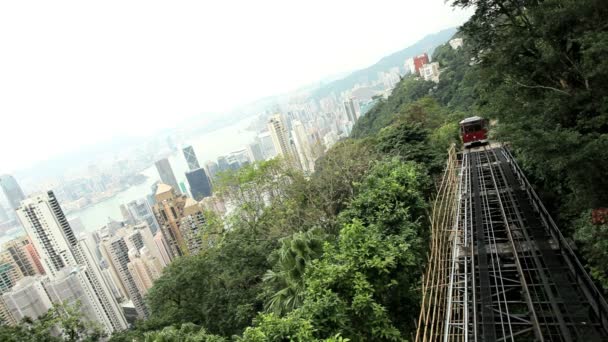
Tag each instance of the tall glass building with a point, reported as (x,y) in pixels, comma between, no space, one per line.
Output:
(11,190)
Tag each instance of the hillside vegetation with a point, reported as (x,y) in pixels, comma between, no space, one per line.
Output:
(339,256)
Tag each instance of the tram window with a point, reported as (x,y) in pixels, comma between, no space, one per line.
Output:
(473,128)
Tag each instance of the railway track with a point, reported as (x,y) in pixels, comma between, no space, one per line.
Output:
(499,268)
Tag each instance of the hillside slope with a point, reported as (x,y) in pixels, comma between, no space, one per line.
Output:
(397,59)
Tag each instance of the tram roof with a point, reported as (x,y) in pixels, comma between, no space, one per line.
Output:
(471,119)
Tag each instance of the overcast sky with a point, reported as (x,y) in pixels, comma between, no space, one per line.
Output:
(75,73)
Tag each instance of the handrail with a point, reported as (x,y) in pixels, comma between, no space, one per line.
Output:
(579,269)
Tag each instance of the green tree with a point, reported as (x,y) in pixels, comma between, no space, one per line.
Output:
(336,176)
(408,90)
(187,332)
(543,74)
(365,286)
(594,242)
(287,277)
(219,288)
(63,322)
(544,77)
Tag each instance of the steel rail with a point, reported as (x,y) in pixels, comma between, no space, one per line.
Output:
(525,290)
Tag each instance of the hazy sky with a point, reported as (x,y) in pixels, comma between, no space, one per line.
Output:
(74,73)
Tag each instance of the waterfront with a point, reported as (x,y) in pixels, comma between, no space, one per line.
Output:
(207,146)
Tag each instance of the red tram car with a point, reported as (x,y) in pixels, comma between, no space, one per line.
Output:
(474,131)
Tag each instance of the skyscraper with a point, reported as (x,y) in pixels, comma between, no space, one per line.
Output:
(267,145)
(126,215)
(410,66)
(34,257)
(300,139)
(419,61)
(144,268)
(351,112)
(138,237)
(50,231)
(191,224)
(27,298)
(71,286)
(254,152)
(180,218)
(14,252)
(11,190)
(3,214)
(54,239)
(222,163)
(115,250)
(9,275)
(166,174)
(191,159)
(8,279)
(167,210)
(200,186)
(212,169)
(141,211)
(280,138)
(163,248)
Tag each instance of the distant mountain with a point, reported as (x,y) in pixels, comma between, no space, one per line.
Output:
(397,59)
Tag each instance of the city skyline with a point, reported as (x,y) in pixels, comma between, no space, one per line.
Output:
(111,266)
(297,64)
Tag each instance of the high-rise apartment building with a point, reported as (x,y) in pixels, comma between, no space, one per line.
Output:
(212,169)
(114,284)
(179,220)
(191,223)
(419,61)
(166,174)
(254,152)
(138,237)
(302,145)
(267,145)
(14,252)
(28,298)
(351,112)
(222,163)
(49,230)
(54,239)
(200,186)
(144,268)
(191,159)
(3,215)
(71,286)
(126,215)
(163,248)
(9,276)
(116,252)
(11,190)
(141,211)
(101,286)
(280,138)
(242,156)
(34,257)
(430,72)
(168,211)
(410,66)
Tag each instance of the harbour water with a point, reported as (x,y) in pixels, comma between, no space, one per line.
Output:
(207,147)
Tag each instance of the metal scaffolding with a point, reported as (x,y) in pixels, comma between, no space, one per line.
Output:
(499,269)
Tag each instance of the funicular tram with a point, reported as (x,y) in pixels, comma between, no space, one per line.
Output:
(474,131)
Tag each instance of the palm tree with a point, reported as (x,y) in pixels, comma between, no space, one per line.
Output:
(293,256)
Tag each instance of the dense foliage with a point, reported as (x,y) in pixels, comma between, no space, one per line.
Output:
(338,256)
(63,322)
(542,72)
